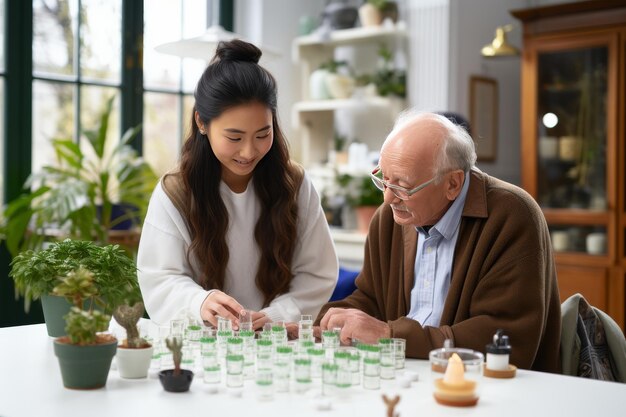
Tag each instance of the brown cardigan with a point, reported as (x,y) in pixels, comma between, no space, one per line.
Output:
(503,276)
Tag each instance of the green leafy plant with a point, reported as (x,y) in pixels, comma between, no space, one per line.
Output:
(389,81)
(359,190)
(115,274)
(339,142)
(77,194)
(333,66)
(379,4)
(82,326)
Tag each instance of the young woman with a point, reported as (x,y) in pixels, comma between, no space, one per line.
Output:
(237,225)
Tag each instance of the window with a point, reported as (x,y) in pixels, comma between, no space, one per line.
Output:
(168,80)
(76,66)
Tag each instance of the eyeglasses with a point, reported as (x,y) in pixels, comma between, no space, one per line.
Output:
(400,192)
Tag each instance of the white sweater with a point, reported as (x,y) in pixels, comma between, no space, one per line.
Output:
(167,281)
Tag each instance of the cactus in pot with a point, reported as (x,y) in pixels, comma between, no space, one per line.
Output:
(176,380)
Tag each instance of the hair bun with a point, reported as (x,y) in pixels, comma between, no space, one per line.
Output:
(237,50)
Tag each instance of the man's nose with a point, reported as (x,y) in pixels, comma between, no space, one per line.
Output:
(389,196)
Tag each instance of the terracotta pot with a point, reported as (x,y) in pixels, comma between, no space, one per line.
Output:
(364,216)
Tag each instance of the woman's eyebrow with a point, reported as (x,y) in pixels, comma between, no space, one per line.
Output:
(233,130)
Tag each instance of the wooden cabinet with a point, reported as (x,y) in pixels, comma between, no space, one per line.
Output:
(573,143)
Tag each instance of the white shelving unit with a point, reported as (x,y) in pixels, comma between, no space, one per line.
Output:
(313,121)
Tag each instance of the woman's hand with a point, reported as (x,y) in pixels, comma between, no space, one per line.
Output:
(258,320)
(220,304)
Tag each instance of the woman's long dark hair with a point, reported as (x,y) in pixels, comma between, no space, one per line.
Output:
(233,78)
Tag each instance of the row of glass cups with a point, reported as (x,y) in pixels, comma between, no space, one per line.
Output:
(274,363)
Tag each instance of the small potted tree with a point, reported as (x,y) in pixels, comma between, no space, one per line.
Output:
(85,354)
(36,275)
(176,380)
(134,353)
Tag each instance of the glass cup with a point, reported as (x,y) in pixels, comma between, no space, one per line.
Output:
(387,359)
(212,369)
(245,320)
(305,328)
(176,328)
(330,341)
(265,384)
(279,333)
(399,346)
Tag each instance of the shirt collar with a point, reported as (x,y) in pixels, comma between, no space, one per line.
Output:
(447,225)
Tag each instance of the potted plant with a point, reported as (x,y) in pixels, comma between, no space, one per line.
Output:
(175,380)
(360,193)
(85,354)
(36,274)
(78,194)
(388,80)
(134,353)
(373,12)
(327,82)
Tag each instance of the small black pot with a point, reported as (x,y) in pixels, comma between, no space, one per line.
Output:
(179,383)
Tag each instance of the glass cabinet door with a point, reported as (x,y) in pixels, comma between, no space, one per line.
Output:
(572,128)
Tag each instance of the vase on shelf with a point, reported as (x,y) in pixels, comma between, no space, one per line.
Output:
(364,216)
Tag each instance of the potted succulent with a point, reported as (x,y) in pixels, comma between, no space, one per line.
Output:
(176,380)
(134,353)
(78,194)
(85,354)
(36,275)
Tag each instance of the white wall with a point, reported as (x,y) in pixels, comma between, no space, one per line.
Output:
(472,25)
(275,23)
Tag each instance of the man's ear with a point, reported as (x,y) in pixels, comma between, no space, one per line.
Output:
(454,184)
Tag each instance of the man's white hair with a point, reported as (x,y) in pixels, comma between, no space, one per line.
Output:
(458,151)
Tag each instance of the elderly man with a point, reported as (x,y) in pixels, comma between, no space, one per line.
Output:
(452,254)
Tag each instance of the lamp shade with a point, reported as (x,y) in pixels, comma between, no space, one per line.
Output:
(203,46)
(500,45)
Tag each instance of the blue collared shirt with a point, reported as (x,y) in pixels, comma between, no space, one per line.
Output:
(433,263)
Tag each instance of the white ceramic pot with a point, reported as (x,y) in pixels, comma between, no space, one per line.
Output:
(560,241)
(548,147)
(340,86)
(317,85)
(133,363)
(596,243)
(370,15)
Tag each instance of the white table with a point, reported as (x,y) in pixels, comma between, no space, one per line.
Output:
(30,385)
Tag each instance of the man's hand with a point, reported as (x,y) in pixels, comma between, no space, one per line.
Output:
(355,324)
(220,304)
